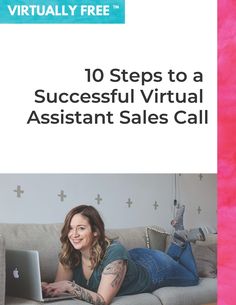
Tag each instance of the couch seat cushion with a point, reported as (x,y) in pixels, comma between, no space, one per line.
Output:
(20,301)
(137,299)
(204,292)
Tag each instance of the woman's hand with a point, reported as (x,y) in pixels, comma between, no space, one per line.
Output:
(56,288)
(44,286)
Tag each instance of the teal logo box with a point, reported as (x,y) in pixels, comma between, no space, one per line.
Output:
(62,11)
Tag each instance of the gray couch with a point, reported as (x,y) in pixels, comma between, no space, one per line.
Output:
(45,239)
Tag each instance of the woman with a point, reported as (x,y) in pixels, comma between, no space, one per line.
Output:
(95,269)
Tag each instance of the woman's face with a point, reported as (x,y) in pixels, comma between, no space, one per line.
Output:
(80,233)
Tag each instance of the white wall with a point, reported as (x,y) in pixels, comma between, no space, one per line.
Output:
(40,202)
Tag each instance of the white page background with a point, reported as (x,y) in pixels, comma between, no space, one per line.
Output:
(158,36)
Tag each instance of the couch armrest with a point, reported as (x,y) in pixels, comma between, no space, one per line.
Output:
(2,270)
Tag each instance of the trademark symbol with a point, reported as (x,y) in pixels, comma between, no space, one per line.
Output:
(116,6)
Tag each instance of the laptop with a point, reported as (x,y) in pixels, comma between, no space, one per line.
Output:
(23,278)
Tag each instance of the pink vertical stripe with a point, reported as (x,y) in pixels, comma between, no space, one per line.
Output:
(227,152)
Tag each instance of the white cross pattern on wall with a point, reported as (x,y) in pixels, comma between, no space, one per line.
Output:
(62,195)
(18,191)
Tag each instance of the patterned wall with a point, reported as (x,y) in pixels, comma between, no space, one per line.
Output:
(124,200)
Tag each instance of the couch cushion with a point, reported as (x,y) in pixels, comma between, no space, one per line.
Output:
(44,238)
(19,301)
(204,292)
(137,299)
(156,238)
(205,257)
(129,237)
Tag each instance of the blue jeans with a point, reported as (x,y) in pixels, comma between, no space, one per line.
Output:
(175,268)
